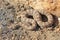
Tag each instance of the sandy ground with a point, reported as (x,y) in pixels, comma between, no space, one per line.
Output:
(10,30)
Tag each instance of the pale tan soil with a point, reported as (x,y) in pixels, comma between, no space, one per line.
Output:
(9,28)
(52,6)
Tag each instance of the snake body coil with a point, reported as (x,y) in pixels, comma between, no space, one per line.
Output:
(31,17)
(41,23)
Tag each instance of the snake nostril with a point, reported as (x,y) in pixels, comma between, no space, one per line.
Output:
(44,18)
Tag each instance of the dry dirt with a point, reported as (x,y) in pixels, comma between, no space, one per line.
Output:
(11,30)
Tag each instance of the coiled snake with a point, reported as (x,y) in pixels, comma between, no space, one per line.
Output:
(31,17)
(41,23)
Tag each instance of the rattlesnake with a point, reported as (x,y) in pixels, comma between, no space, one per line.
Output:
(46,23)
(27,23)
(36,18)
